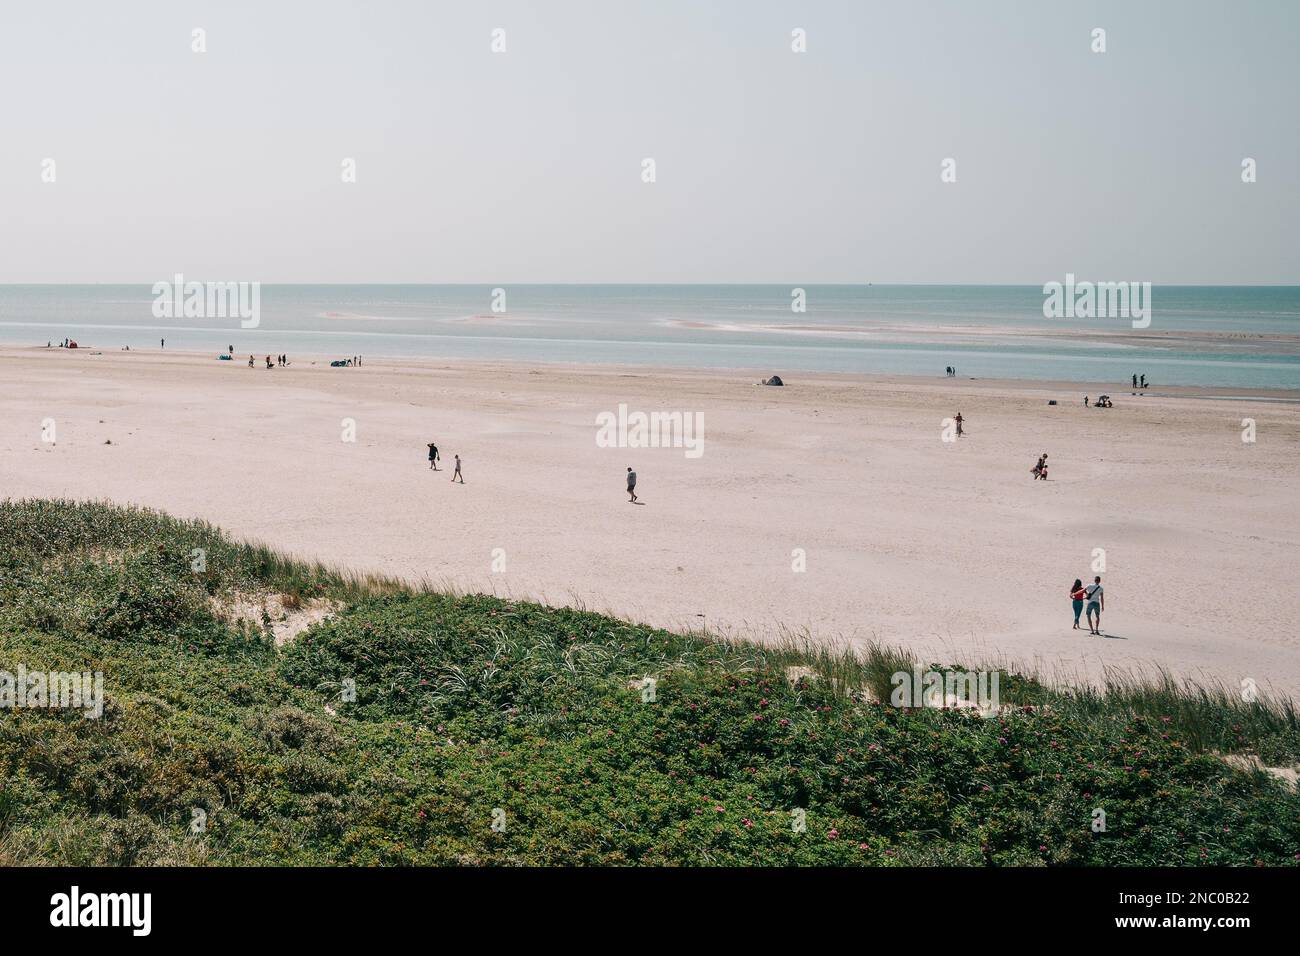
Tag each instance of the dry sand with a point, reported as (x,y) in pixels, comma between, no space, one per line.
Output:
(945,547)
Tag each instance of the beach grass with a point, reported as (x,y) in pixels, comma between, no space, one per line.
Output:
(406,726)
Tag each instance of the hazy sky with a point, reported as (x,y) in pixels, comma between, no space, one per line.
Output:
(772,166)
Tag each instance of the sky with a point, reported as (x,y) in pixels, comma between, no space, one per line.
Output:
(770,165)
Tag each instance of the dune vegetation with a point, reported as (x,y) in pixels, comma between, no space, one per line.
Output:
(262,711)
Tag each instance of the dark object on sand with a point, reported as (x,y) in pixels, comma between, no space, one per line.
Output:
(774,380)
(1051,401)
(1103,401)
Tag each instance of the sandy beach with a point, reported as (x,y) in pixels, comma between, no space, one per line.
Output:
(945,546)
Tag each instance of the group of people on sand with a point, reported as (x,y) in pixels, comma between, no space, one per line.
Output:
(1093,597)
(435,457)
(951,371)
(280,361)
(1040,470)
(1135,381)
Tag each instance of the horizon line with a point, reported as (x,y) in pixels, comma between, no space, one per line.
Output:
(782,285)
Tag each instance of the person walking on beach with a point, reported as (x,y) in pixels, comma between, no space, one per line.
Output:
(433,456)
(250,361)
(1085,401)
(1096,604)
(631,485)
(162,343)
(958,420)
(1144,381)
(1135,381)
(1077,594)
(268,362)
(457,473)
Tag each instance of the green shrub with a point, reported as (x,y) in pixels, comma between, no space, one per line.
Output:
(493,732)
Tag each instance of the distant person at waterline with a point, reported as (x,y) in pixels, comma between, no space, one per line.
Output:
(631,485)
(250,361)
(1077,594)
(457,473)
(1096,604)
(433,456)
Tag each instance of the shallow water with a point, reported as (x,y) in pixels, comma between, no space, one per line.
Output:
(984,331)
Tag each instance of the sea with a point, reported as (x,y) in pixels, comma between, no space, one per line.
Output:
(1222,336)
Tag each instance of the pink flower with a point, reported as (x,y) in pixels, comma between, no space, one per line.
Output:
(833,835)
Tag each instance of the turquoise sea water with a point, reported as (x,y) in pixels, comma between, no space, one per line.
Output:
(984,331)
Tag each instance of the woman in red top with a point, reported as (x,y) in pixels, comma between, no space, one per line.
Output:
(1076,595)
